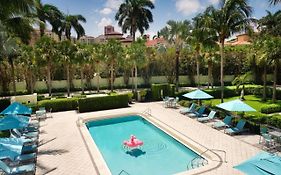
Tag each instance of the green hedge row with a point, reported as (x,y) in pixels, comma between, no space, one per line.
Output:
(103,103)
(257,119)
(4,103)
(271,108)
(64,104)
(158,91)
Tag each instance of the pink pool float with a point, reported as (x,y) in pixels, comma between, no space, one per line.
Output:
(132,143)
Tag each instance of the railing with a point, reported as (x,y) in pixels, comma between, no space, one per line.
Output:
(199,161)
(147,111)
(123,171)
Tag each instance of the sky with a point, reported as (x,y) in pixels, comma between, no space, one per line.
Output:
(99,13)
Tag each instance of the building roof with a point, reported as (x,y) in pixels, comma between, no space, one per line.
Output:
(154,42)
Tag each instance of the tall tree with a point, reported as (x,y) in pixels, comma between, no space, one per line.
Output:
(231,16)
(113,56)
(275,2)
(46,54)
(72,22)
(270,24)
(47,12)
(176,33)
(135,15)
(98,57)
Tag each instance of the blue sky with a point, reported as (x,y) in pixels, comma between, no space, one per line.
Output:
(101,12)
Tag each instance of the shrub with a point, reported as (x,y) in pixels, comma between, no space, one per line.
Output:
(103,103)
(272,108)
(275,120)
(4,103)
(161,90)
(184,103)
(64,104)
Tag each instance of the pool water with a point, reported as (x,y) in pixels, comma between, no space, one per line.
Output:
(160,155)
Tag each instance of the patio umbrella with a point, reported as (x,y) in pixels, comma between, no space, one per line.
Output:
(198,95)
(17,109)
(236,106)
(12,122)
(262,164)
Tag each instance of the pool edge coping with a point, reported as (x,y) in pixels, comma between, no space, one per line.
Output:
(100,162)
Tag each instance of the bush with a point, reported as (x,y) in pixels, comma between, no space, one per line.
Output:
(184,103)
(158,91)
(272,108)
(275,120)
(4,103)
(65,104)
(103,103)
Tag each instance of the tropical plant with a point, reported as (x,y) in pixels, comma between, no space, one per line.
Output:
(176,33)
(98,57)
(67,51)
(72,22)
(270,24)
(46,54)
(113,53)
(47,12)
(275,2)
(201,36)
(15,18)
(241,81)
(136,54)
(135,15)
(231,16)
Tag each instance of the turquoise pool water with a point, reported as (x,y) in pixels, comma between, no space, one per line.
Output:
(160,155)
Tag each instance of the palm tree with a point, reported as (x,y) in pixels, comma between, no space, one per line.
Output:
(270,24)
(46,54)
(176,33)
(275,2)
(83,56)
(135,15)
(98,56)
(136,53)
(201,36)
(241,81)
(67,55)
(15,18)
(69,22)
(231,16)
(47,12)
(113,54)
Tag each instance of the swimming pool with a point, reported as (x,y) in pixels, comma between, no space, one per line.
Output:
(161,154)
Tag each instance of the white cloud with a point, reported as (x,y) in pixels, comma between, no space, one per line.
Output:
(153,1)
(213,1)
(188,7)
(113,4)
(104,22)
(106,11)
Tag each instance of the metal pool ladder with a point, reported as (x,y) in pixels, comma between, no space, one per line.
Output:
(123,172)
(199,161)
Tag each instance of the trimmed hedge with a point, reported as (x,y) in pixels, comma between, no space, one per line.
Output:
(64,104)
(167,89)
(272,108)
(103,103)
(257,119)
(4,103)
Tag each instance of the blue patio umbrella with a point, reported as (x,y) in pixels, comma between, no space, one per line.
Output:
(12,122)
(17,109)
(198,95)
(236,106)
(262,164)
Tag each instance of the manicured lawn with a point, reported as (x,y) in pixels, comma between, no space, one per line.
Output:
(251,100)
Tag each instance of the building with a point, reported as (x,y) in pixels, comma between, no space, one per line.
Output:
(110,33)
(155,42)
(241,39)
(87,40)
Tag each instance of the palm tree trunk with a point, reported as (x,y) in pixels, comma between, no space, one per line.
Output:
(82,80)
(198,68)
(222,64)
(274,81)
(133,79)
(31,83)
(177,68)
(68,80)
(49,78)
(136,78)
(264,84)
(98,75)
(13,77)
(42,29)
(111,77)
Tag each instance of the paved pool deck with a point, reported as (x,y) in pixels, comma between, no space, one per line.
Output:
(62,150)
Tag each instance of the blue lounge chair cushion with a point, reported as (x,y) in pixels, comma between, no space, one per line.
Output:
(199,113)
(211,116)
(17,169)
(28,149)
(25,157)
(239,128)
(225,123)
(188,110)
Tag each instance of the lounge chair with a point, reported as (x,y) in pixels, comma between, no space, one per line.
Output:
(20,158)
(175,102)
(198,113)
(26,134)
(225,123)
(23,169)
(188,110)
(211,116)
(237,129)
(26,140)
